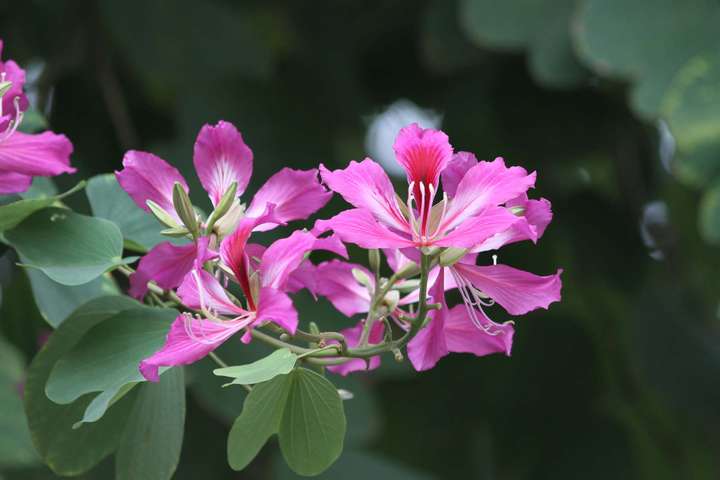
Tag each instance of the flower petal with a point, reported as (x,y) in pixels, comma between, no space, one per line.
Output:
(221,157)
(11,182)
(365,185)
(15,75)
(283,257)
(462,336)
(297,194)
(531,226)
(148,177)
(336,282)
(459,165)
(517,291)
(200,290)
(477,229)
(429,345)
(352,337)
(358,226)
(41,154)
(485,184)
(276,306)
(424,153)
(189,340)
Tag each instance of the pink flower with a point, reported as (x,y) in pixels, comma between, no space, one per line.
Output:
(24,156)
(262,280)
(473,214)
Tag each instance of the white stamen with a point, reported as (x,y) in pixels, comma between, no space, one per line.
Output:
(14,123)
(473,302)
(494,259)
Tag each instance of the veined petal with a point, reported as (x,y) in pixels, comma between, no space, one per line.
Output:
(424,153)
(336,282)
(365,185)
(395,259)
(360,227)
(479,228)
(485,184)
(517,291)
(352,337)
(332,243)
(15,75)
(456,169)
(148,177)
(221,157)
(462,336)
(189,340)
(297,194)
(11,182)
(531,225)
(275,306)
(200,290)
(429,345)
(41,154)
(283,257)
(305,276)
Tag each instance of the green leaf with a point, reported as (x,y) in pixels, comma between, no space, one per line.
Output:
(65,450)
(710,215)
(33,121)
(69,248)
(14,213)
(150,449)
(109,201)
(107,356)
(306,412)
(277,363)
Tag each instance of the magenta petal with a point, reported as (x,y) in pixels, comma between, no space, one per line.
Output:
(335,281)
(148,177)
(166,264)
(454,172)
(11,182)
(531,225)
(333,244)
(283,257)
(42,154)
(352,337)
(516,290)
(476,230)
(200,290)
(424,153)
(361,228)
(462,336)
(15,75)
(296,194)
(221,157)
(429,345)
(189,340)
(365,185)
(276,306)
(304,276)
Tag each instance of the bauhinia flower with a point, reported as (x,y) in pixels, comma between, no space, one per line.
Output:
(380,220)
(224,165)
(263,276)
(24,156)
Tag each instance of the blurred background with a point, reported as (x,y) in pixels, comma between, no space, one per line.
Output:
(616,105)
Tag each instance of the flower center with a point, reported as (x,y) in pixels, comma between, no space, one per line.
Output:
(424,222)
(13,123)
(474,301)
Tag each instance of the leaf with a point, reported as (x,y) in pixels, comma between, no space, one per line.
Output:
(67,451)
(150,449)
(306,412)
(14,213)
(279,362)
(710,215)
(69,248)
(33,121)
(109,201)
(106,358)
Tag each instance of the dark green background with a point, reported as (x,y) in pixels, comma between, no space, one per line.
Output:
(619,381)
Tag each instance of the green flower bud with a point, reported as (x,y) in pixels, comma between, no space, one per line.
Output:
(222,207)
(451,256)
(162,216)
(185,210)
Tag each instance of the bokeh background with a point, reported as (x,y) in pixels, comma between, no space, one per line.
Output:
(616,104)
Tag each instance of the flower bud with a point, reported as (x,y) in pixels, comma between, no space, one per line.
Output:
(227,224)
(163,217)
(374,260)
(175,232)
(362,278)
(409,270)
(185,210)
(4,87)
(222,207)
(517,210)
(451,256)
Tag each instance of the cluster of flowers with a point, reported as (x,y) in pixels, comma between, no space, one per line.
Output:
(484,205)
(24,156)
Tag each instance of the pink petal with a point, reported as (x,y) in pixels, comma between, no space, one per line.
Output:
(395,259)
(485,184)
(424,153)
(200,290)
(333,244)
(11,182)
(189,340)
(517,291)
(454,172)
(366,186)
(358,226)
(276,306)
(148,177)
(531,225)
(429,345)
(352,337)
(41,154)
(305,276)
(221,158)
(335,281)
(283,257)
(462,336)
(297,194)
(16,75)
(476,230)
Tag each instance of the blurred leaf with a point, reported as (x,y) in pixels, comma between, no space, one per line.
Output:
(445,48)
(13,213)
(306,412)
(69,451)
(41,187)
(710,215)
(33,121)
(150,449)
(109,201)
(357,466)
(69,248)
(279,362)
(542,27)
(106,358)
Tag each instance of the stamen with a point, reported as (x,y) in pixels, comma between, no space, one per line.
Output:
(423,214)
(472,300)
(494,259)
(411,213)
(14,123)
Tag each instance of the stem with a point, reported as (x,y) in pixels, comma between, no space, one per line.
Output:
(218,360)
